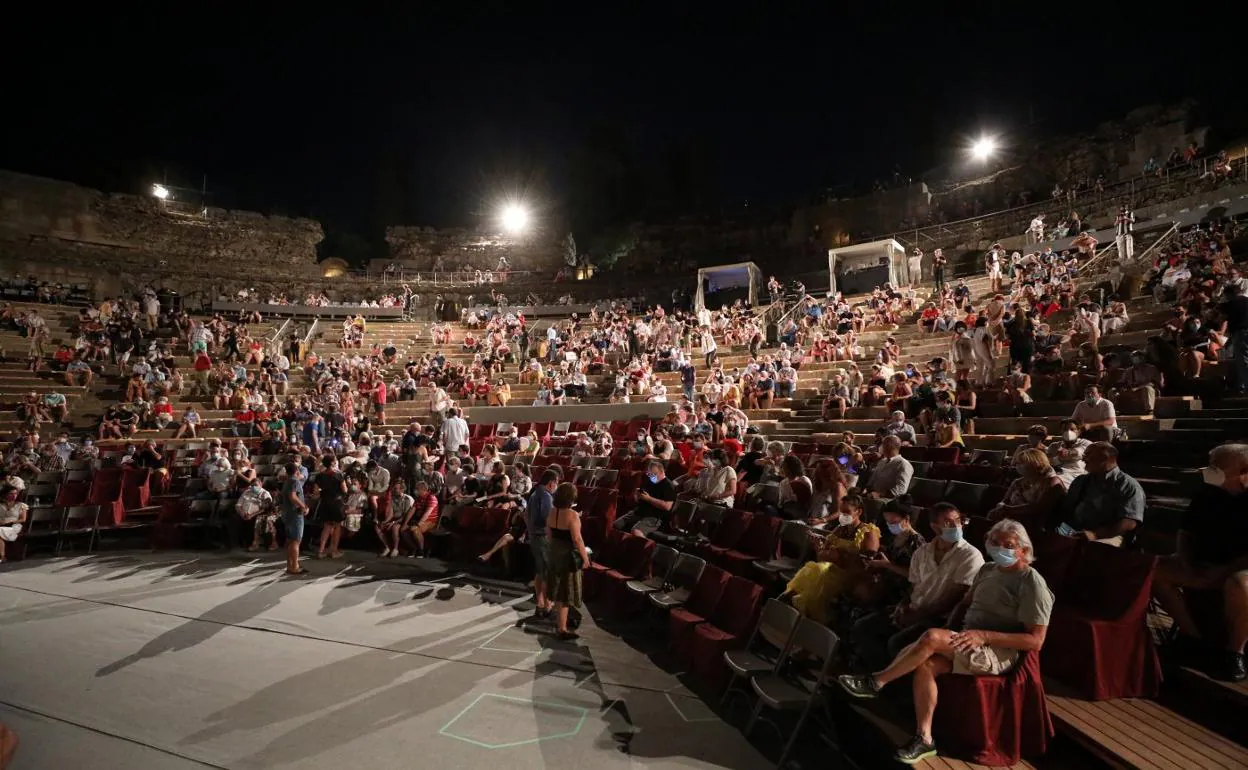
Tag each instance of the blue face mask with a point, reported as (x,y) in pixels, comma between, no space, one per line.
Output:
(896,529)
(653,478)
(1004,557)
(952,534)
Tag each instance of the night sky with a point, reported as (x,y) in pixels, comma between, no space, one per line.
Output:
(601,115)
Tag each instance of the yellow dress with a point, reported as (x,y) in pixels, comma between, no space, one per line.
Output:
(818,583)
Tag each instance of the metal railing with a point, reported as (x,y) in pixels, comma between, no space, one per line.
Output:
(443,278)
(307,338)
(1198,168)
(1139,259)
(274,344)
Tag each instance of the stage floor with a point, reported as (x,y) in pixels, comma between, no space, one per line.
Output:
(174,661)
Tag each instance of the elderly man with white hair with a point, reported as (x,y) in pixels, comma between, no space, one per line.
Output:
(1004,615)
(1213,554)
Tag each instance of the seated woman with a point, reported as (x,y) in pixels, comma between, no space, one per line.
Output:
(716,482)
(887,578)
(1004,615)
(1036,493)
(796,489)
(840,562)
(1212,555)
(500,395)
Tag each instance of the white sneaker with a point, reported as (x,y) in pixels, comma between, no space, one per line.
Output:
(393,553)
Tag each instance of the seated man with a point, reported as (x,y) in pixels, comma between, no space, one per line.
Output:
(1213,554)
(655,499)
(1003,615)
(940,573)
(891,475)
(1104,504)
(1096,416)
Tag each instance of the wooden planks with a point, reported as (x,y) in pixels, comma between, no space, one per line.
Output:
(880,717)
(1143,735)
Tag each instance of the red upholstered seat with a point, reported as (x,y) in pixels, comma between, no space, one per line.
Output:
(136,489)
(603,561)
(1098,640)
(633,562)
(701,605)
(993,720)
(728,629)
(726,536)
(757,542)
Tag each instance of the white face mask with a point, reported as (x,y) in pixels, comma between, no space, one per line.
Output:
(1213,476)
(845,519)
(1070,435)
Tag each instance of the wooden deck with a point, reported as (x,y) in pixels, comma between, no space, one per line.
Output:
(1143,735)
(891,726)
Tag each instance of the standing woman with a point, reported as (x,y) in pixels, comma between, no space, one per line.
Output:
(567,558)
(333,489)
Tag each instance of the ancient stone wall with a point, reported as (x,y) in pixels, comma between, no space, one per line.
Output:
(427,249)
(62,226)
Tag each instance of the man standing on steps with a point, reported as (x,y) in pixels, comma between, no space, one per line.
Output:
(1125,224)
(915,268)
(938,269)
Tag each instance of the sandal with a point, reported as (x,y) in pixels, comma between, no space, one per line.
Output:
(301,571)
(337,555)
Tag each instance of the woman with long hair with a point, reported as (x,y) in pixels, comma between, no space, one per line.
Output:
(568,557)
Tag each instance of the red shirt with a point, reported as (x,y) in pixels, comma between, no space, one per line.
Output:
(202,362)
(379,395)
(165,408)
(427,509)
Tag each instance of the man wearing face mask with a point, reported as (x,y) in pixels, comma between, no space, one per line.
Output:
(1003,615)
(1143,379)
(1066,454)
(897,426)
(655,499)
(1103,505)
(1212,554)
(1096,416)
(940,573)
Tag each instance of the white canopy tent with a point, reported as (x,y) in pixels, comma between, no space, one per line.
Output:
(736,275)
(865,256)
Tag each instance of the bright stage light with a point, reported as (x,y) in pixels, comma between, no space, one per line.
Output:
(984,148)
(515,218)
(160,191)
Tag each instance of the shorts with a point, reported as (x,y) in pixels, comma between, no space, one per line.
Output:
(541,554)
(293,522)
(378,407)
(631,522)
(985,661)
(199,346)
(9,532)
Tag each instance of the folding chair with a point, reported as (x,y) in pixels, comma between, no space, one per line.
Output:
(683,577)
(661,565)
(80,520)
(767,645)
(790,691)
(794,546)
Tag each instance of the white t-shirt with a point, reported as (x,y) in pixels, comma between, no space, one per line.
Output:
(933,581)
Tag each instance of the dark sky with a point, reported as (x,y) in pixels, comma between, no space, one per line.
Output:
(602,114)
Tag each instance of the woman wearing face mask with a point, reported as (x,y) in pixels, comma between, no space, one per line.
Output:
(1004,615)
(840,561)
(716,482)
(1212,555)
(888,573)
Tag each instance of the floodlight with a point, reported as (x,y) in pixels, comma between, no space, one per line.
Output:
(515,218)
(983,148)
(160,191)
